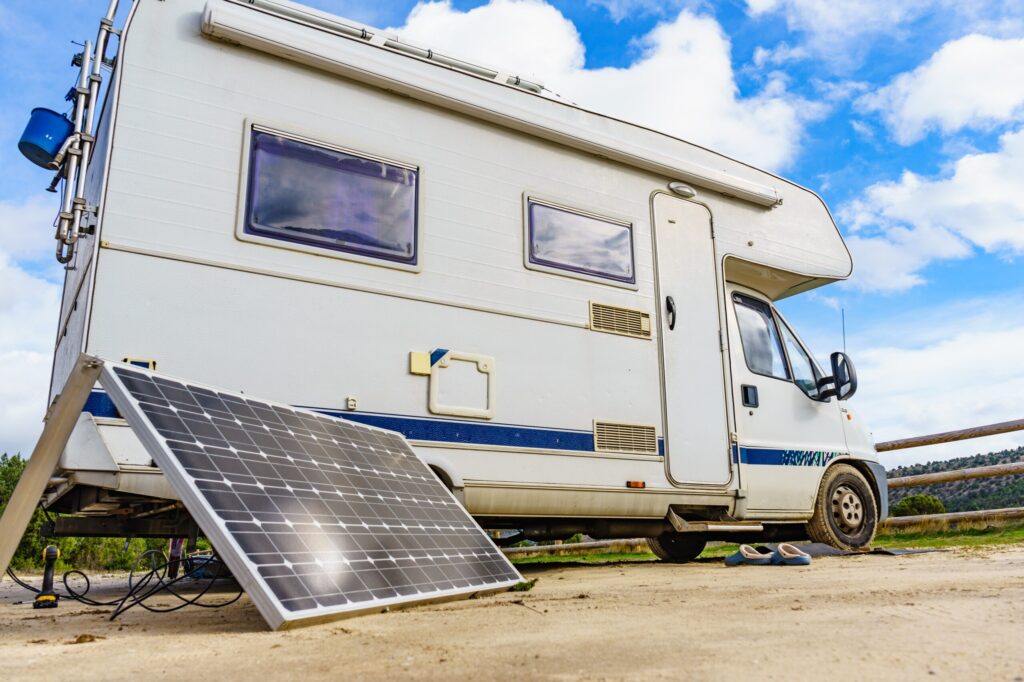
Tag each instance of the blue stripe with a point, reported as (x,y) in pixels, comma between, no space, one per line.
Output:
(773,457)
(437,430)
(436,355)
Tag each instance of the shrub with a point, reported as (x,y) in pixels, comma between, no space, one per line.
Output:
(918,505)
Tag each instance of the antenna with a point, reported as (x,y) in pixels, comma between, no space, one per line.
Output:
(843,311)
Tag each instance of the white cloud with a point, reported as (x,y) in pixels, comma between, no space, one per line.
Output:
(29,307)
(900,227)
(842,32)
(837,30)
(624,9)
(950,367)
(973,82)
(702,104)
(780,54)
(26,228)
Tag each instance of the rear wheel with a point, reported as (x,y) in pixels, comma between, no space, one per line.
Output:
(845,513)
(677,547)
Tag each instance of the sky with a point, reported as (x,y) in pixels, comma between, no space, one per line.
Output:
(906,117)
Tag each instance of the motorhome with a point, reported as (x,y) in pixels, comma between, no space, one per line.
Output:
(570,317)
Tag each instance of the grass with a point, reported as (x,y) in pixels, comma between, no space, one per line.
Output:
(970,537)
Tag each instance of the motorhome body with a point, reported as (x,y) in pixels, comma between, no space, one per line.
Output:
(569,316)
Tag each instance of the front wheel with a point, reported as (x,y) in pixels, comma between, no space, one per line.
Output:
(677,547)
(845,513)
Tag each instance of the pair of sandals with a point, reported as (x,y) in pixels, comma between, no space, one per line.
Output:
(785,554)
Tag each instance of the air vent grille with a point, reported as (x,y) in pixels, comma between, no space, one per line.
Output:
(618,320)
(639,439)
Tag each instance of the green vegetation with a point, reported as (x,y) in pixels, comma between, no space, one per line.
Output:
(973,537)
(110,554)
(584,558)
(917,505)
(978,493)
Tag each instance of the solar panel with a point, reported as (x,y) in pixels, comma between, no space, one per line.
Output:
(317,517)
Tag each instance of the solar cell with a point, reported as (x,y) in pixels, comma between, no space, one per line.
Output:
(315,516)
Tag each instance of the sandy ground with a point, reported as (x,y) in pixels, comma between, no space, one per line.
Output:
(957,615)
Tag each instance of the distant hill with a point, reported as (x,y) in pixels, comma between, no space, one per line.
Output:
(979,493)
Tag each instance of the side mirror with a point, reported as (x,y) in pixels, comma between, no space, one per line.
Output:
(843,379)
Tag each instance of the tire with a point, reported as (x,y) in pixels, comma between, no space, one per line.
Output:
(677,547)
(845,512)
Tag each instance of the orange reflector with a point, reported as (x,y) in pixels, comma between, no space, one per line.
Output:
(636,484)
(849,417)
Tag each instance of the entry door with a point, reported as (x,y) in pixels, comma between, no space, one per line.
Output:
(696,426)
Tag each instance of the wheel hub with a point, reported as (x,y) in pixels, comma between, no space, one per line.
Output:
(847,508)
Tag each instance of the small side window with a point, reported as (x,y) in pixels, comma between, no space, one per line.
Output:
(580,243)
(762,347)
(805,371)
(309,194)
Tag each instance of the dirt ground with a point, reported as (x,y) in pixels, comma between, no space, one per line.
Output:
(957,615)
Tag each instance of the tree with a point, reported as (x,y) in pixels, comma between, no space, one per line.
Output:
(918,505)
(30,550)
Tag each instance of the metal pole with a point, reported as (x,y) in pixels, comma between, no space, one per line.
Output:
(71,173)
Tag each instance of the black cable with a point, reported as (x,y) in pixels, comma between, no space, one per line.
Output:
(138,592)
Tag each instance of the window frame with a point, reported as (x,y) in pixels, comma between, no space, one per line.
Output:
(323,141)
(781,322)
(738,299)
(566,271)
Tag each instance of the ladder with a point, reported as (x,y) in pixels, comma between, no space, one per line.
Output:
(72,162)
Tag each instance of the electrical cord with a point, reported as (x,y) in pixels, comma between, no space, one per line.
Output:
(152,582)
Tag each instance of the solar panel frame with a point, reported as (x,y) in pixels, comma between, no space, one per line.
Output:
(224,541)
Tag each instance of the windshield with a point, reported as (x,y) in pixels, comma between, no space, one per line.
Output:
(806,372)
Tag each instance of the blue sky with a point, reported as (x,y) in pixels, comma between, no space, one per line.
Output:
(908,118)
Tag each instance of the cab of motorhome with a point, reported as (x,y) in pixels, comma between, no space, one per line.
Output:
(571,318)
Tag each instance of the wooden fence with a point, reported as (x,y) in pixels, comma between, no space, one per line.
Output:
(1012,469)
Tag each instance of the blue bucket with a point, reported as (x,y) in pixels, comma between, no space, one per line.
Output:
(44,135)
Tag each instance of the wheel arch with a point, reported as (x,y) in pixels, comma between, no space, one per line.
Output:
(874,473)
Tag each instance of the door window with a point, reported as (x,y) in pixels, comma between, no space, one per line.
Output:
(805,372)
(762,347)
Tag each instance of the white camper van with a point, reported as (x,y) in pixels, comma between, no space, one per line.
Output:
(570,317)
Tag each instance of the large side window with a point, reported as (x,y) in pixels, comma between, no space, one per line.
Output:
(805,371)
(762,347)
(580,243)
(318,196)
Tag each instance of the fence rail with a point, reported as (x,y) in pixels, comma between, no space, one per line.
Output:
(957,475)
(951,436)
(1007,514)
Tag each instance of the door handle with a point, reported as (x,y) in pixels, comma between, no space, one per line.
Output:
(670,307)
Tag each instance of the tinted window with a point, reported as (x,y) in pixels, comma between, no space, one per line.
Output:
(571,241)
(760,338)
(304,193)
(805,373)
